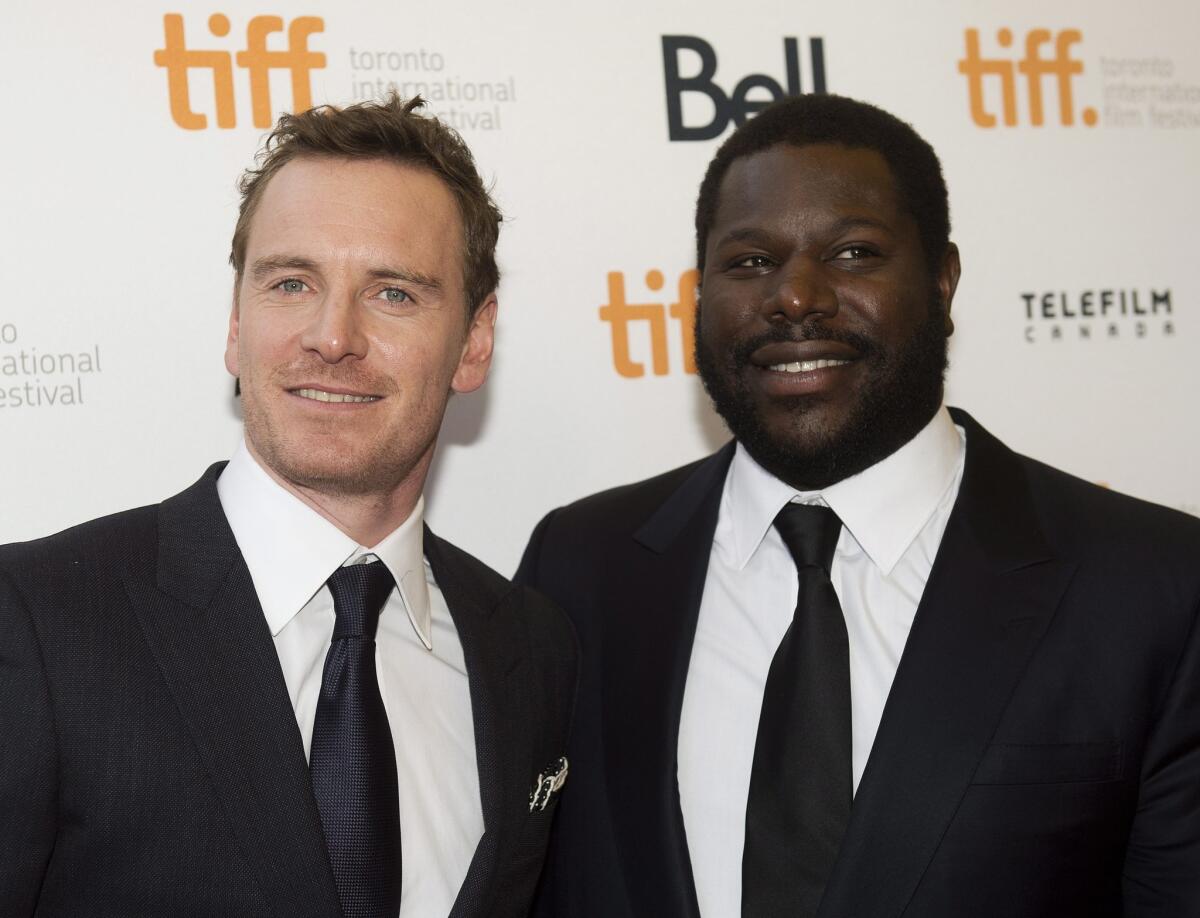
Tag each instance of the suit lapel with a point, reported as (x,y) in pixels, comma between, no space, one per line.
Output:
(648,649)
(991,594)
(496,649)
(206,629)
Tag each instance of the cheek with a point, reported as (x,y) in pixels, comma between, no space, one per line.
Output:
(264,337)
(897,322)
(254,360)
(400,353)
(877,310)
(426,358)
(717,317)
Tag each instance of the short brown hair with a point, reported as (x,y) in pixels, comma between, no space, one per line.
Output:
(391,130)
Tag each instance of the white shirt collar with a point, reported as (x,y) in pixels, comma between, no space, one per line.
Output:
(884,507)
(292,550)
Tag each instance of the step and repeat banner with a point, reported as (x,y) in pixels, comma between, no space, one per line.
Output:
(1069,134)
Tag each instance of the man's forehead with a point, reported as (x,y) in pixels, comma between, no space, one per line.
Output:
(785,177)
(317,197)
(312,175)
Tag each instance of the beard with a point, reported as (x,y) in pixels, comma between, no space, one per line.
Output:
(336,457)
(903,391)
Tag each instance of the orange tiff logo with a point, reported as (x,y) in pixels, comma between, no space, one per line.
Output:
(1034,68)
(620,313)
(179,60)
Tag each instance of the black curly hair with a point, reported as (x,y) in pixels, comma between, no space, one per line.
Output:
(820,118)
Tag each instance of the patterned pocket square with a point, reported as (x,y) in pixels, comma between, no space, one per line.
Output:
(549,783)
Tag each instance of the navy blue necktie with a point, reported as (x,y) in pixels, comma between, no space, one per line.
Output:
(801,782)
(353,761)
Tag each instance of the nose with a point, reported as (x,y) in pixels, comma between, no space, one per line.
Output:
(335,329)
(803,291)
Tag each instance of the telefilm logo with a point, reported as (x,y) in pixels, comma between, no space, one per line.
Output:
(1097,314)
(179,60)
(652,325)
(688,52)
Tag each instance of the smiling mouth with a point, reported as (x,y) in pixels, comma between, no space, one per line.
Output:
(806,366)
(320,395)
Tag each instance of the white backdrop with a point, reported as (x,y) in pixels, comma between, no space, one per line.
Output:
(115,224)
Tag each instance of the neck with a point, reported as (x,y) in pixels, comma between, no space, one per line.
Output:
(368,518)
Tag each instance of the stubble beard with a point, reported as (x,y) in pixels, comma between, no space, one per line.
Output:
(904,391)
(316,460)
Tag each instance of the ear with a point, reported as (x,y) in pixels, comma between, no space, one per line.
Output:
(477,349)
(231,341)
(947,283)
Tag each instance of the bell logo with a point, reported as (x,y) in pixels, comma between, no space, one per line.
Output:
(1033,67)
(736,106)
(620,313)
(179,60)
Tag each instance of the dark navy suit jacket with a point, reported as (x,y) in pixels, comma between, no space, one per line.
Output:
(1039,752)
(150,761)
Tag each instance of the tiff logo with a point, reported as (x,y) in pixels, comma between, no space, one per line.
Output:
(620,313)
(1033,67)
(179,61)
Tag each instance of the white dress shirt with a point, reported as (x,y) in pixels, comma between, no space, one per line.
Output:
(291,551)
(893,517)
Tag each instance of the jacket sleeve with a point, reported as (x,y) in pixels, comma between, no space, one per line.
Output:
(28,759)
(1161,877)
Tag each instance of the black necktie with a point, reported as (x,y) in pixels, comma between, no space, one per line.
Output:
(801,783)
(353,762)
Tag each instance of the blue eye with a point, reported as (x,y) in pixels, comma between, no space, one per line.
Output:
(292,285)
(395,295)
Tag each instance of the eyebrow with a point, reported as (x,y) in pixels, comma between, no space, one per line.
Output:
(269,264)
(837,228)
(408,276)
(857,222)
(745,234)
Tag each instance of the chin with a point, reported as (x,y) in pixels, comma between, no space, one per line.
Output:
(807,423)
(806,463)
(326,468)
(341,479)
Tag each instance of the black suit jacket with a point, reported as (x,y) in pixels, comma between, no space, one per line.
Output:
(1039,752)
(150,761)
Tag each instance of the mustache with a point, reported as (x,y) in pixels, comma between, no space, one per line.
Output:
(318,373)
(794,334)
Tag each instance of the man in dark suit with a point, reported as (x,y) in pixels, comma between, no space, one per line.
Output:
(865,661)
(278,693)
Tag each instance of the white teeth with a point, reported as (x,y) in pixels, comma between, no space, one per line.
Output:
(806,366)
(320,395)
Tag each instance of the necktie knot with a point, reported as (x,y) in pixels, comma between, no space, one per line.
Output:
(810,534)
(359,593)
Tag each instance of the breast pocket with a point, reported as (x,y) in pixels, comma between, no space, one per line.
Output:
(1049,763)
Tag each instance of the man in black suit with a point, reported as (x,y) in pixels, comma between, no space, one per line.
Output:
(865,661)
(195,717)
